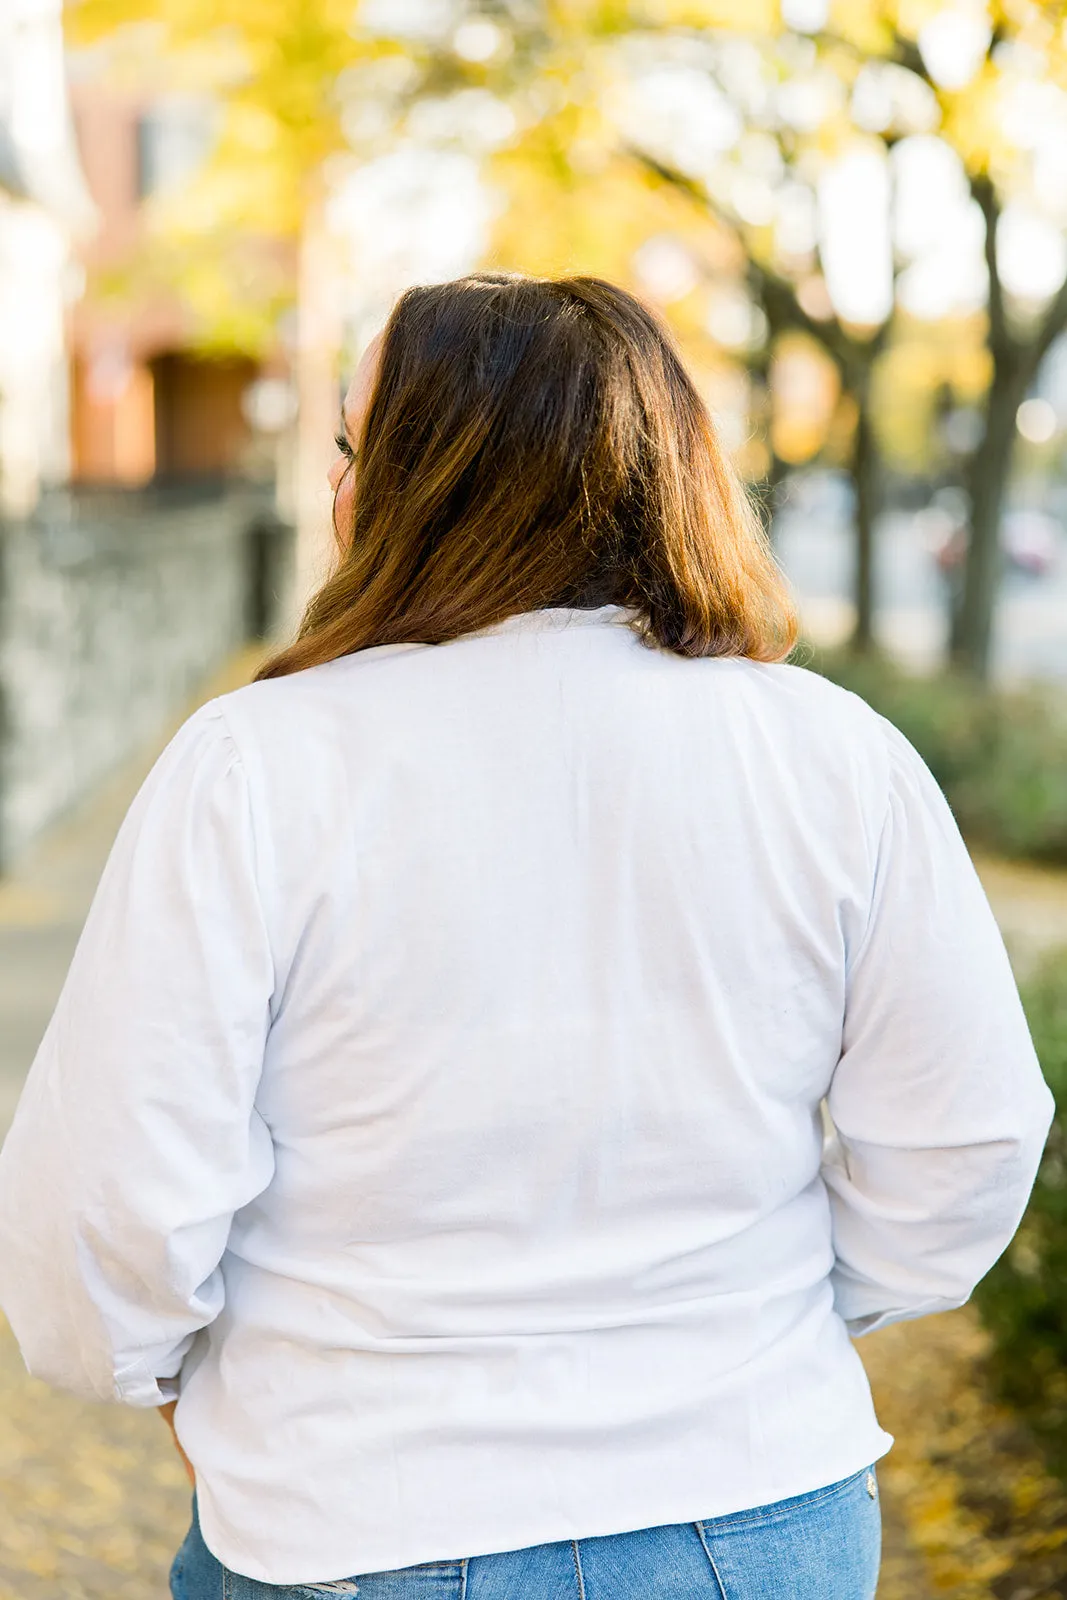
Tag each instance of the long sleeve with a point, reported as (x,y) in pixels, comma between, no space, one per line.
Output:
(938,1102)
(136,1137)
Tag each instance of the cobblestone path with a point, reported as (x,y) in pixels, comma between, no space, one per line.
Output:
(93,1502)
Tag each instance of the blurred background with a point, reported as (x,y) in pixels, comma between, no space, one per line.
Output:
(854,215)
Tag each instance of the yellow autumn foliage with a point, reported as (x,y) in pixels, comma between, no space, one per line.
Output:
(571,196)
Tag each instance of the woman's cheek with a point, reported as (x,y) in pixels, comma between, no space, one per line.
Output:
(343,502)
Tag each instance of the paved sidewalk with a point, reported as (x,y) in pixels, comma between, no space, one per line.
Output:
(93,1502)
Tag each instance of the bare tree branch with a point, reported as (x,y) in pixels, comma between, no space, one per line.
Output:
(906,53)
(1005,346)
(1051,326)
(1000,337)
(779,297)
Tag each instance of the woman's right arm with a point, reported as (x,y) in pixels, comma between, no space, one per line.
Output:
(137,1135)
(938,1102)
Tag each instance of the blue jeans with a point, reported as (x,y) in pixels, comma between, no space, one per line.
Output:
(825,1545)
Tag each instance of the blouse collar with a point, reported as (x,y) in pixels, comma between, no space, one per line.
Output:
(553,618)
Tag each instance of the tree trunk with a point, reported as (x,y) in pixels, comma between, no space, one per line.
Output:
(864,469)
(988,476)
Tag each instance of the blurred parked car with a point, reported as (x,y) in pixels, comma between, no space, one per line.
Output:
(1030,540)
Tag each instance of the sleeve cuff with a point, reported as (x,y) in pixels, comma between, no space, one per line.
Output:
(874,1320)
(136,1385)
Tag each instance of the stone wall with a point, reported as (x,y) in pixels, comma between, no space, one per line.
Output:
(113,609)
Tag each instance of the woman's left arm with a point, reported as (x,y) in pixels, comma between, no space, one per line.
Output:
(137,1138)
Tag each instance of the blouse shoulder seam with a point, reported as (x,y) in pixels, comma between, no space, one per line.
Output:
(215,710)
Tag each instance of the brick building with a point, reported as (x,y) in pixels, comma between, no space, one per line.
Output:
(146,405)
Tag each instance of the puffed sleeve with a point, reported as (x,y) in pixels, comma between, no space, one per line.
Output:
(938,1102)
(136,1137)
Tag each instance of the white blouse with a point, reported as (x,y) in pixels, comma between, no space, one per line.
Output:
(434,1099)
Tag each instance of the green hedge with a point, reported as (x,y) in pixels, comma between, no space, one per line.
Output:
(1023,1301)
(1000,756)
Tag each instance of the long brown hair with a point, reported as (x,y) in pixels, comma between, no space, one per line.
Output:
(537,442)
